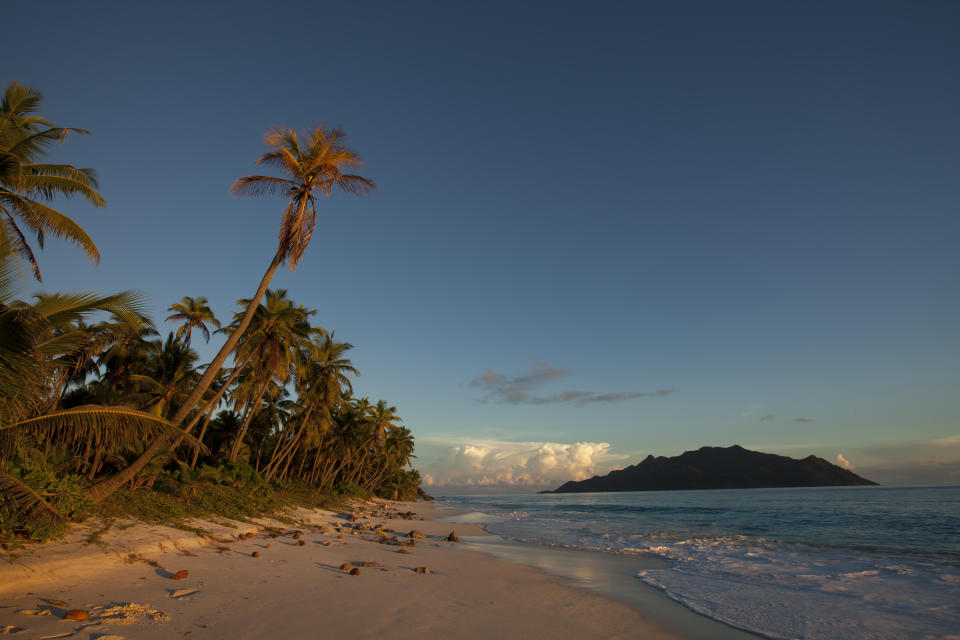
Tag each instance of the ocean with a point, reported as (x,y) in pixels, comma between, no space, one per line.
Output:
(819,563)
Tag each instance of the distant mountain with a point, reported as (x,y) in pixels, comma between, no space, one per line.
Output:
(719,468)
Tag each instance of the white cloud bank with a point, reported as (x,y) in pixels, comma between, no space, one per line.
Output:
(488,463)
(841,461)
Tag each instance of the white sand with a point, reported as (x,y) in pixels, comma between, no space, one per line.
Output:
(293,591)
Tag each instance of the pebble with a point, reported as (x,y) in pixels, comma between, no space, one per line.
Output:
(76,614)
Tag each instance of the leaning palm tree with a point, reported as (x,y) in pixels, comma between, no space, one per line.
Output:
(194,313)
(26,184)
(312,169)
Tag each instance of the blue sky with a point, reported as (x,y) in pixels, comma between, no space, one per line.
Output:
(752,205)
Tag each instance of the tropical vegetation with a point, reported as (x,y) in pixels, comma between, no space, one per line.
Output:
(99,409)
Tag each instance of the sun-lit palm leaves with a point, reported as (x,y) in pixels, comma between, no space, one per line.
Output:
(27,184)
(85,381)
(315,168)
(309,171)
(194,313)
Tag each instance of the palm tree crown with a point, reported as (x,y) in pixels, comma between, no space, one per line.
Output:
(193,313)
(26,183)
(312,169)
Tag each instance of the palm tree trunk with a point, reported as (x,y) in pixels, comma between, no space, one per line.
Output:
(252,411)
(211,406)
(107,486)
(288,449)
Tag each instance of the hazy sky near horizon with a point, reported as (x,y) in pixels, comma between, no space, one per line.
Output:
(601,231)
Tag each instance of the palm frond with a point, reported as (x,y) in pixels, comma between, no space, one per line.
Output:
(42,218)
(106,424)
(47,185)
(261,186)
(18,246)
(356,185)
(29,505)
(61,308)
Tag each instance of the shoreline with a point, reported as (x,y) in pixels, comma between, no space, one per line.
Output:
(244,583)
(613,575)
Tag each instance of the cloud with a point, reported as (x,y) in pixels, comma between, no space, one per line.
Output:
(949,441)
(513,389)
(504,389)
(841,461)
(803,419)
(489,463)
(769,416)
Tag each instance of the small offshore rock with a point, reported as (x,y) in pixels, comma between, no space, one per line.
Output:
(180,575)
(453,537)
(76,614)
(345,566)
(354,571)
(422,570)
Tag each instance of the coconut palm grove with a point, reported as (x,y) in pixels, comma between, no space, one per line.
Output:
(104,410)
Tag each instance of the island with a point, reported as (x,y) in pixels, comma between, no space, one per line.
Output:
(718,468)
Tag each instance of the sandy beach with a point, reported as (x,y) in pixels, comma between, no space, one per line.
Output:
(266,580)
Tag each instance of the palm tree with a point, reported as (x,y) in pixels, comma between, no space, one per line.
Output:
(321,380)
(169,374)
(26,184)
(194,313)
(310,170)
(275,334)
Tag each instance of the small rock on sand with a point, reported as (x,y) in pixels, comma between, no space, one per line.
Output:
(76,614)
(180,575)
(301,543)
(354,571)
(416,534)
(255,554)
(422,570)
(345,566)
(453,537)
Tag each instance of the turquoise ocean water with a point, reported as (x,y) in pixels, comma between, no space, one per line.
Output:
(814,563)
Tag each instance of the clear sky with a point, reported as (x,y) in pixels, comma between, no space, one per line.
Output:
(752,206)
